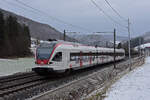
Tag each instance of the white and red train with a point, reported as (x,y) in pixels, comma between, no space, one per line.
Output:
(62,57)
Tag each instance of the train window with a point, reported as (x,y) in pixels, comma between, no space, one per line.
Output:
(72,58)
(47,45)
(77,59)
(58,57)
(85,58)
(93,58)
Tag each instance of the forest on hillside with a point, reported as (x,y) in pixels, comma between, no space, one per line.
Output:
(14,38)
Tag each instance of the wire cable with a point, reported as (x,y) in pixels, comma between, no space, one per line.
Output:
(100,9)
(51,17)
(12,3)
(115,11)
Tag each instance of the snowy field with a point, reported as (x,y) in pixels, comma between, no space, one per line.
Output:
(10,66)
(133,86)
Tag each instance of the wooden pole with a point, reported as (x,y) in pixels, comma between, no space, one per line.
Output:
(114,48)
(129,44)
(64,35)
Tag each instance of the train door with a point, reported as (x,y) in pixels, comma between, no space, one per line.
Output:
(66,58)
(58,59)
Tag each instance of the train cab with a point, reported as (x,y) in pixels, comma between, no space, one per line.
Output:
(43,53)
(47,58)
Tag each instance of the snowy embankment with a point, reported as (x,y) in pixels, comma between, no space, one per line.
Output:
(133,86)
(11,66)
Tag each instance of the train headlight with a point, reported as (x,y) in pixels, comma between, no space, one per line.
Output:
(42,62)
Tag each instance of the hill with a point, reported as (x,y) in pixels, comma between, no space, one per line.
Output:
(38,30)
(96,39)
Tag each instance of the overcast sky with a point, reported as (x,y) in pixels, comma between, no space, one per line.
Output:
(84,14)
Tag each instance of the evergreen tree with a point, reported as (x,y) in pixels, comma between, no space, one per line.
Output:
(14,37)
(2,24)
(119,46)
(12,32)
(27,34)
(137,41)
(27,39)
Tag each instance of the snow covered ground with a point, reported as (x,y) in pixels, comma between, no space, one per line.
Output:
(133,86)
(10,66)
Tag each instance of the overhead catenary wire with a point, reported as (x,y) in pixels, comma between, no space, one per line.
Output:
(34,10)
(101,10)
(52,17)
(117,13)
(12,3)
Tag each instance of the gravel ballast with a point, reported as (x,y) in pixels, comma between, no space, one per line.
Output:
(86,88)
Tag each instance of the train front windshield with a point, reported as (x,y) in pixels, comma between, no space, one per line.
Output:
(44,51)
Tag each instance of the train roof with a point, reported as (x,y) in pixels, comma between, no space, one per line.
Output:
(78,46)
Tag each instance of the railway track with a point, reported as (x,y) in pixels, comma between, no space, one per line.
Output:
(16,76)
(26,85)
